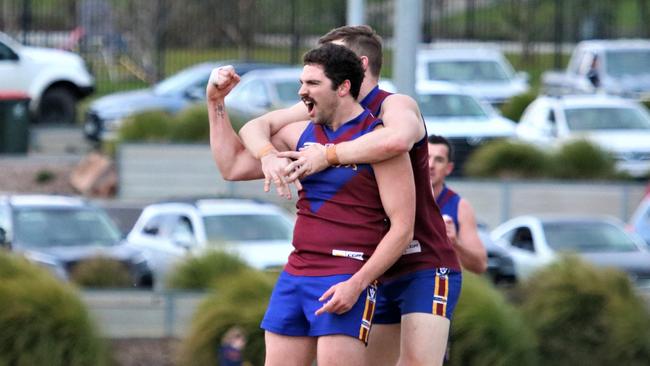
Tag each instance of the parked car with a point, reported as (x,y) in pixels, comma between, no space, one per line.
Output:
(481,71)
(261,91)
(618,125)
(467,123)
(500,267)
(617,66)
(640,221)
(55,80)
(173,94)
(59,232)
(535,241)
(260,233)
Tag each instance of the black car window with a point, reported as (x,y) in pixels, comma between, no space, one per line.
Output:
(523,239)
(6,53)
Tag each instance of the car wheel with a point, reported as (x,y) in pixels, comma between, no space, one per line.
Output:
(58,105)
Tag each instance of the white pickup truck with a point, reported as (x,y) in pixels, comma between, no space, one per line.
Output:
(619,67)
(55,80)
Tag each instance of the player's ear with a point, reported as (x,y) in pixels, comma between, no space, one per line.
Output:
(450,168)
(344,88)
(364,62)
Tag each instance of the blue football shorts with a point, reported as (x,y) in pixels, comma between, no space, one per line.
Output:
(294,301)
(431,291)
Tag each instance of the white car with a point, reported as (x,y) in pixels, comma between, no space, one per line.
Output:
(260,233)
(467,123)
(54,80)
(535,241)
(482,71)
(620,126)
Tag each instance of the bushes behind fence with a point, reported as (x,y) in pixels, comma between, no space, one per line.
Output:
(42,321)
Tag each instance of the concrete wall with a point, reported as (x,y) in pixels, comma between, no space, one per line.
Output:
(155,171)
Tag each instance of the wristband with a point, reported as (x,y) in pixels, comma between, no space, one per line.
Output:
(265,151)
(330,155)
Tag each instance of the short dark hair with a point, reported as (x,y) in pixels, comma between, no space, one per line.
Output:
(439,140)
(361,39)
(339,64)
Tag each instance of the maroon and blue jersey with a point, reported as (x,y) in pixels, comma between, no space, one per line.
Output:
(340,218)
(448,201)
(430,247)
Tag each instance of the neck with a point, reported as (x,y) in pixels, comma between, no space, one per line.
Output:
(437,188)
(347,110)
(369,83)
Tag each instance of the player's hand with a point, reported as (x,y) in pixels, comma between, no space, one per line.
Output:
(222,80)
(309,160)
(450,227)
(273,168)
(340,298)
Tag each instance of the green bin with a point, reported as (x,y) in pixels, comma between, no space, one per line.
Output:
(14,123)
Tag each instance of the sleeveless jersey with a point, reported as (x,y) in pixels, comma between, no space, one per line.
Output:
(340,218)
(430,246)
(448,201)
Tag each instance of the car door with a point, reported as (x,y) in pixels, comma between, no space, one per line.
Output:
(522,248)
(10,68)
(164,238)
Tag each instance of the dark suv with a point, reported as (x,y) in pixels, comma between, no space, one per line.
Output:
(59,232)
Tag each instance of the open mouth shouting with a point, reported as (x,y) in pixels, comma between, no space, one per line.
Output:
(310,105)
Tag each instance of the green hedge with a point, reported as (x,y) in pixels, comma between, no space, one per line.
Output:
(101,272)
(488,331)
(586,316)
(237,300)
(515,106)
(43,321)
(199,273)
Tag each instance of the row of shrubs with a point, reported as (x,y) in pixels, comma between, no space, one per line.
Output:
(579,159)
(566,314)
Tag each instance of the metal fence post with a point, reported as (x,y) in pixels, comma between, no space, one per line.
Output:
(506,200)
(170,308)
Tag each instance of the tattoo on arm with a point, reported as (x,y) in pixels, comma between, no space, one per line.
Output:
(220,110)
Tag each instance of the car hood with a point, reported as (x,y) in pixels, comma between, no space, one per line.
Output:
(49,56)
(469,127)
(498,90)
(620,140)
(636,263)
(119,105)
(67,254)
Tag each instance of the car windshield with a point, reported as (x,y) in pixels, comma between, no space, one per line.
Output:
(247,227)
(450,105)
(180,81)
(628,62)
(588,236)
(467,71)
(615,118)
(48,227)
(288,92)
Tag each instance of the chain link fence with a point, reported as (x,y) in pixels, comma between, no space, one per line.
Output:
(129,43)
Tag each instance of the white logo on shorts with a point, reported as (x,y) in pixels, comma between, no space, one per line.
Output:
(413,247)
(348,254)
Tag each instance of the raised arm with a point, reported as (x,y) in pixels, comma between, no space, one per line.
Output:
(397,191)
(465,239)
(232,158)
(403,128)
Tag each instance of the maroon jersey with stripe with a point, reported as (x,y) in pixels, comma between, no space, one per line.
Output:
(340,218)
(430,247)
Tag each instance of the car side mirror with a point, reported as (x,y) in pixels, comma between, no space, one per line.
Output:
(150,230)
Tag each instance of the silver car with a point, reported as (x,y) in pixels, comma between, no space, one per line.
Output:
(261,91)
(535,241)
(481,71)
(258,232)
